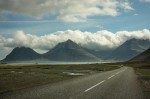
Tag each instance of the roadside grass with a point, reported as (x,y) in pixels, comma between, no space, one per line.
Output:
(14,76)
(142,68)
(144,72)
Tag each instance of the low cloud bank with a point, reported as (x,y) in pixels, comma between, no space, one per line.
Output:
(99,40)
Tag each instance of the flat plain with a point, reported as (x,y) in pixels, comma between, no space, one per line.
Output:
(20,76)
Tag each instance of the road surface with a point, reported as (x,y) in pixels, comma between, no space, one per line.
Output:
(116,84)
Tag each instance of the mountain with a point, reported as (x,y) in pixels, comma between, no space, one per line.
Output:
(21,54)
(129,49)
(69,51)
(102,54)
(145,56)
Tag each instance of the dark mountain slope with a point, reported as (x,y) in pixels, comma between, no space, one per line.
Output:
(102,54)
(21,54)
(69,51)
(129,49)
(145,56)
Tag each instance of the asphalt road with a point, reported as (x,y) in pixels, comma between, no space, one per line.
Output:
(117,84)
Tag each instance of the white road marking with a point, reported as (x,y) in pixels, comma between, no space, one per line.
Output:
(110,76)
(103,81)
(117,73)
(120,71)
(94,86)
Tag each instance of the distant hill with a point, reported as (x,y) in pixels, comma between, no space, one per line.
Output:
(69,51)
(145,56)
(129,49)
(21,54)
(102,54)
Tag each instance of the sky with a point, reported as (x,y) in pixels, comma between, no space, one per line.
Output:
(95,24)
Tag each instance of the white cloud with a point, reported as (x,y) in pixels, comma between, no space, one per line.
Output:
(145,1)
(126,6)
(99,40)
(135,14)
(65,10)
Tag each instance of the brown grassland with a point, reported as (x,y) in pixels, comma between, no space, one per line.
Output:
(14,76)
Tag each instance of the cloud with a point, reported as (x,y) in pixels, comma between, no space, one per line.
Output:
(145,1)
(99,40)
(66,10)
(135,14)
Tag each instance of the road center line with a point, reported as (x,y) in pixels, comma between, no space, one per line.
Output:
(111,76)
(102,81)
(117,73)
(120,71)
(94,86)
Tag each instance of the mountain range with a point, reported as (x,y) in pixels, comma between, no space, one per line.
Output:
(70,51)
(129,49)
(143,57)
(64,51)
